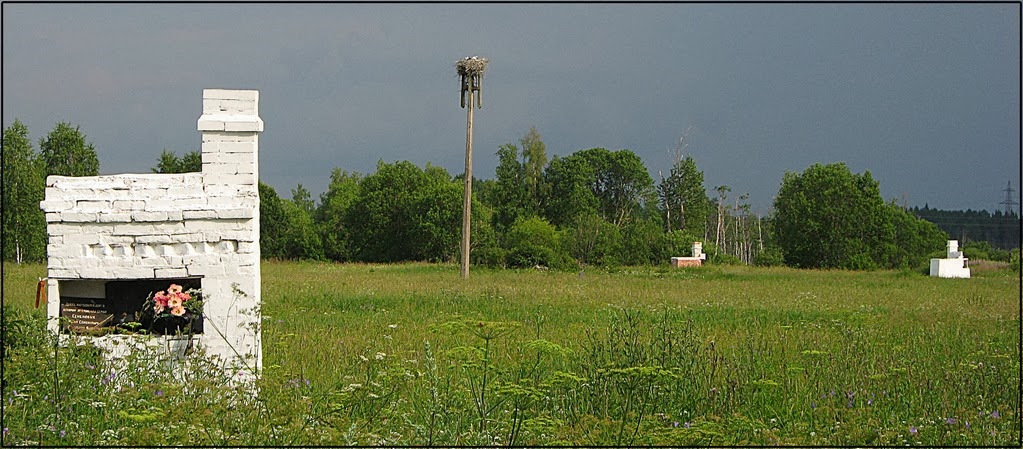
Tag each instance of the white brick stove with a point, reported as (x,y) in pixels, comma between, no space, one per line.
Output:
(154,229)
(954,265)
(695,260)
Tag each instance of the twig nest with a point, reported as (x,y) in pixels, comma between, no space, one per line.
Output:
(471,66)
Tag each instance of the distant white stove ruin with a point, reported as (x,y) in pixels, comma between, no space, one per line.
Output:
(954,265)
(695,260)
(115,239)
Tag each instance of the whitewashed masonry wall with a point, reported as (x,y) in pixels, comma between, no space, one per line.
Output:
(166,226)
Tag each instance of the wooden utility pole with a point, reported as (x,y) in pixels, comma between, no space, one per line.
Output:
(470,72)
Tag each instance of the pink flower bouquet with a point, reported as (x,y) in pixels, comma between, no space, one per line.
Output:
(174,308)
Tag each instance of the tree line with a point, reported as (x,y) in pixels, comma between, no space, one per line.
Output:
(594,207)
(998,229)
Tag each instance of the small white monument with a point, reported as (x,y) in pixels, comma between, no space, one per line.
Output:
(115,240)
(954,265)
(695,261)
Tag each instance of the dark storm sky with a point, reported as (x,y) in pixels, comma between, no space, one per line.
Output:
(925,96)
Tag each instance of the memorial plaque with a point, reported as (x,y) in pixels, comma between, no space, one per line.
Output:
(85,314)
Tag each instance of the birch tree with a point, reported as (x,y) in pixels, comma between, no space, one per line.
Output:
(66,153)
(24,226)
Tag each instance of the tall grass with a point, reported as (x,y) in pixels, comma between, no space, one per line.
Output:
(411,354)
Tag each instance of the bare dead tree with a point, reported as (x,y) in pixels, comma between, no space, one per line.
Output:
(721,234)
(760,235)
(677,155)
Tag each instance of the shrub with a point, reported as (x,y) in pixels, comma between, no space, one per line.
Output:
(595,241)
(828,217)
(486,250)
(533,241)
(642,241)
(679,244)
(723,259)
(771,256)
(17,330)
(982,250)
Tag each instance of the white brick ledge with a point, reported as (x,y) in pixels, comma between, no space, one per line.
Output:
(222,122)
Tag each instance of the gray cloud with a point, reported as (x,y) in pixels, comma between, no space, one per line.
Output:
(926,97)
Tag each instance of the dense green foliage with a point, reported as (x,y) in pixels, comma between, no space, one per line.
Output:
(402,354)
(684,198)
(641,243)
(828,217)
(171,163)
(331,212)
(533,242)
(568,193)
(615,184)
(915,239)
(403,212)
(273,223)
(983,250)
(65,152)
(594,240)
(62,152)
(517,189)
(24,226)
(287,230)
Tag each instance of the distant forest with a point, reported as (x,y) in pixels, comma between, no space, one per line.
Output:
(1000,230)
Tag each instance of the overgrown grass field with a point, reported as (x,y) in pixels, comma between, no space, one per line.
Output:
(411,354)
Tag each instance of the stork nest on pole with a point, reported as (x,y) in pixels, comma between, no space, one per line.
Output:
(471,66)
(470,70)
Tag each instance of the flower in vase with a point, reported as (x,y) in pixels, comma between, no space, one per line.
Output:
(174,289)
(177,311)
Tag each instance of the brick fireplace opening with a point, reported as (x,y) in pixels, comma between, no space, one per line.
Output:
(96,307)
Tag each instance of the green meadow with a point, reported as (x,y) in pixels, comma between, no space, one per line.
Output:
(410,354)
